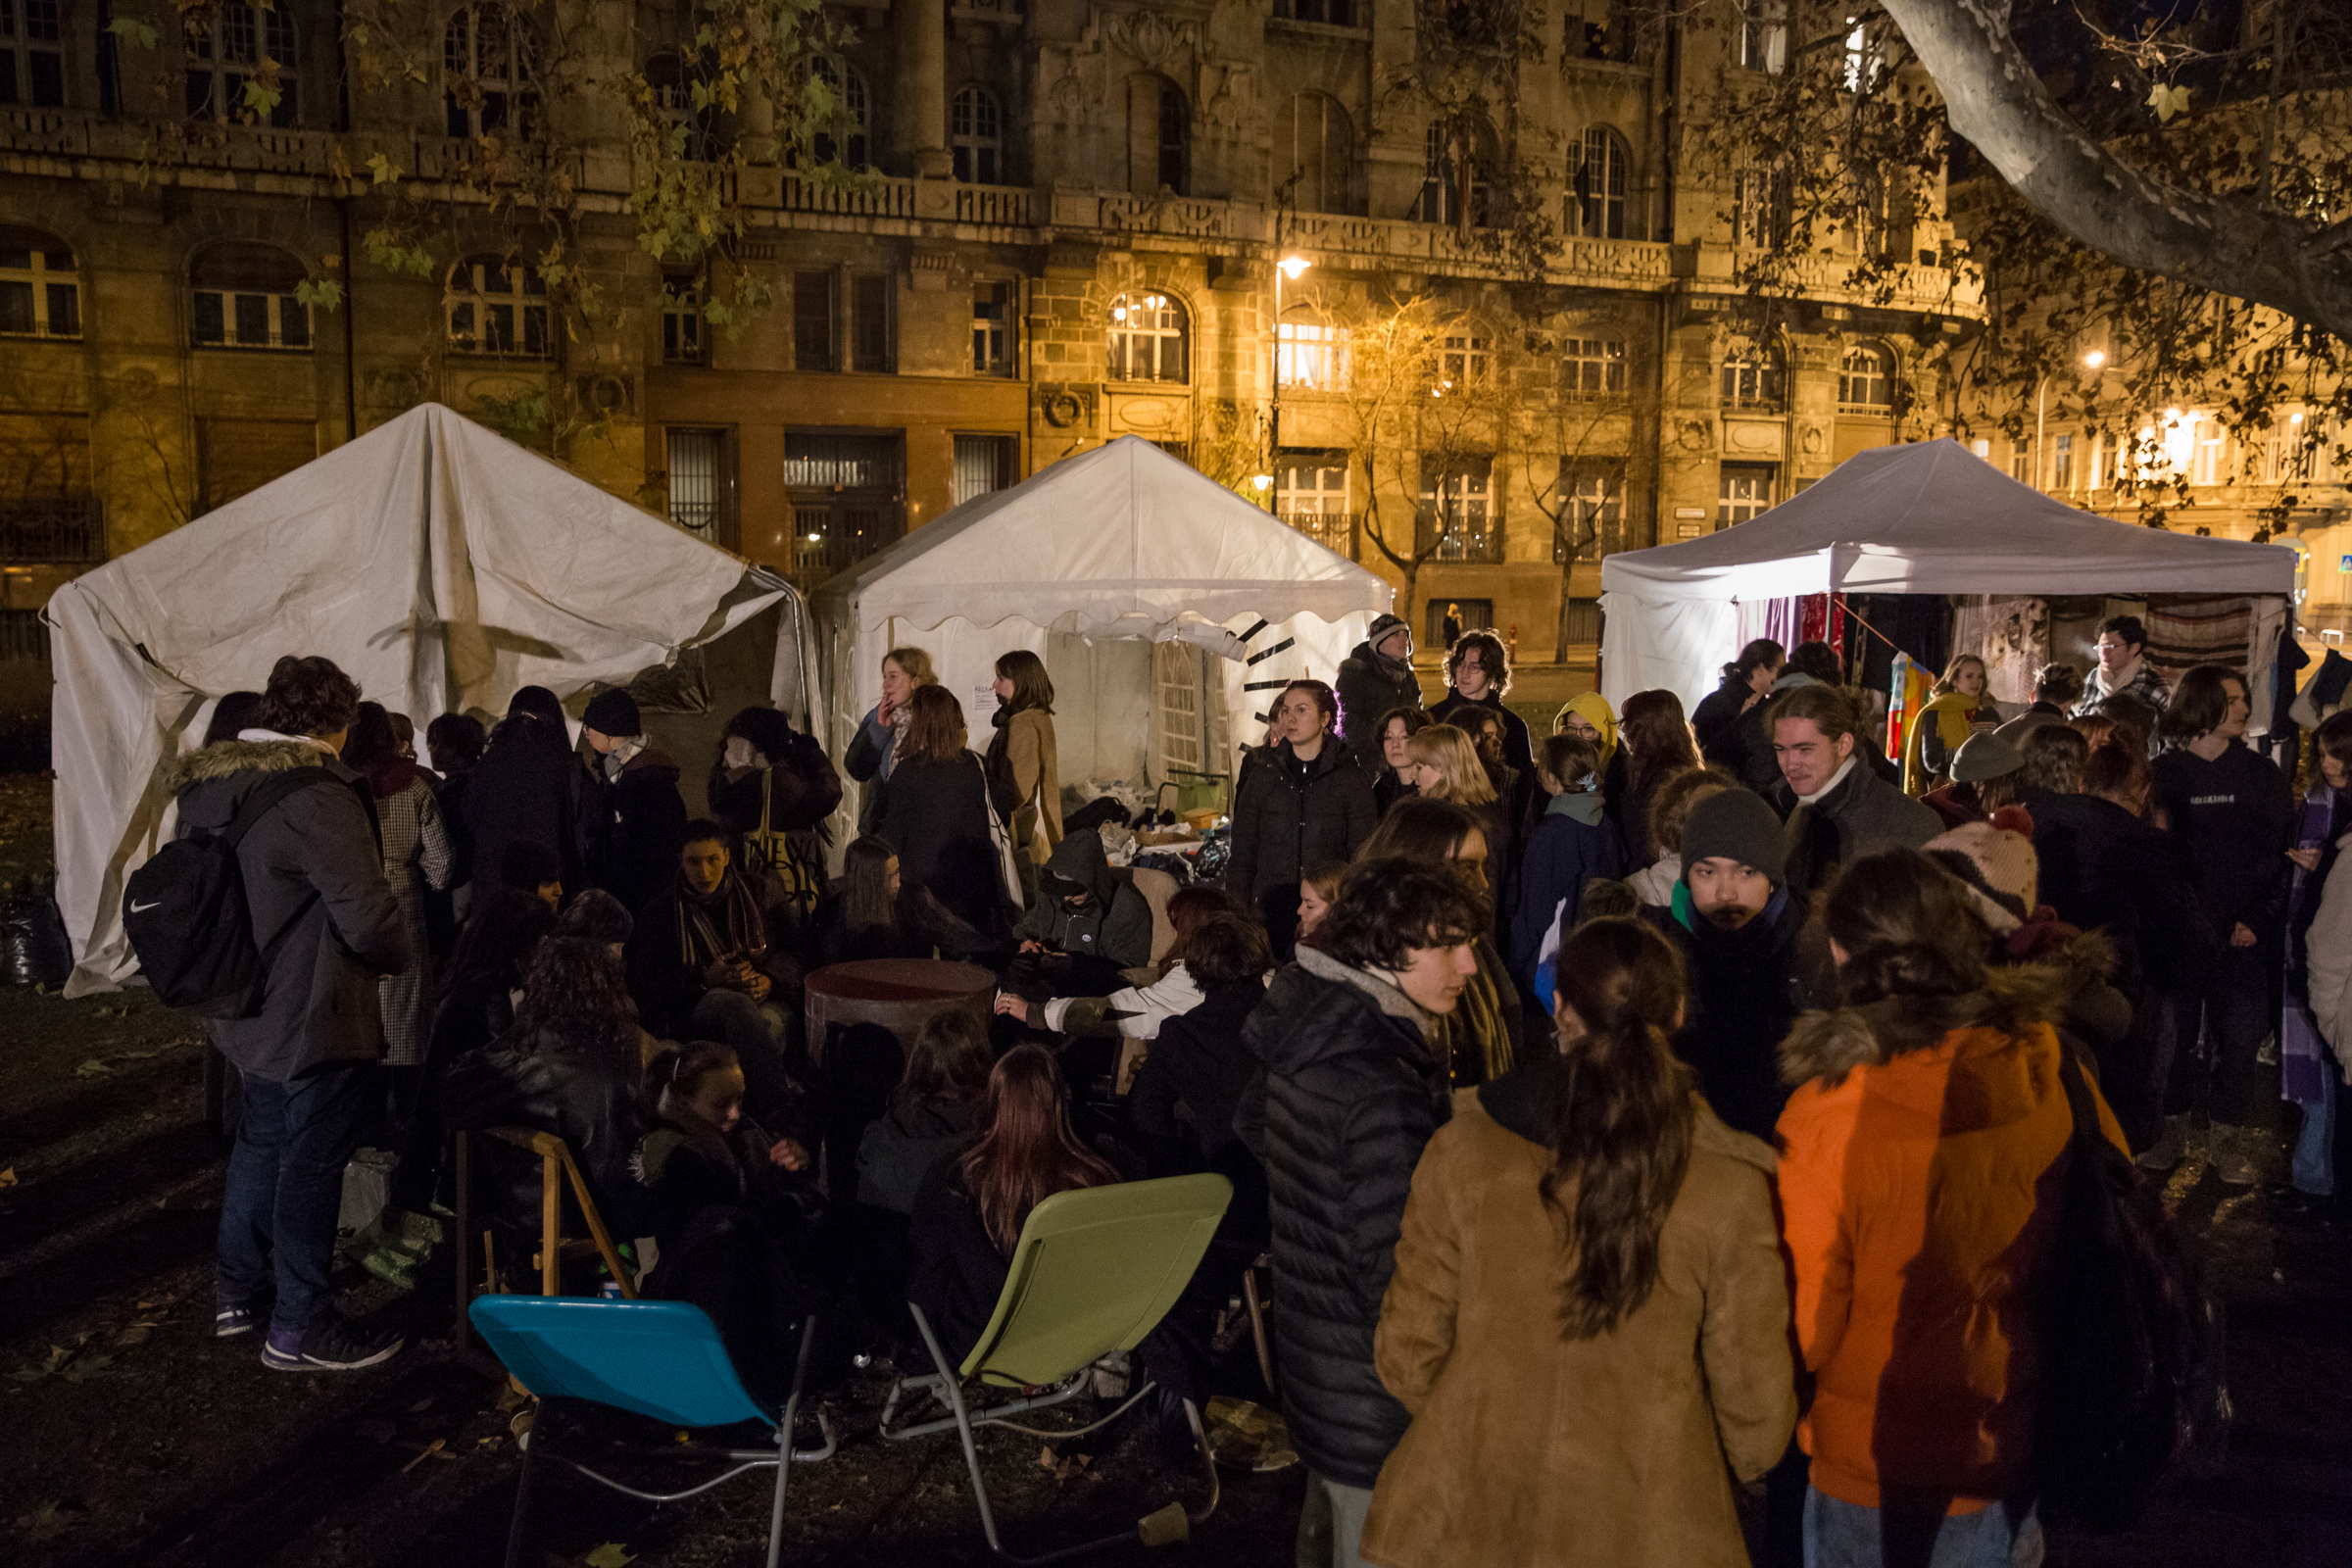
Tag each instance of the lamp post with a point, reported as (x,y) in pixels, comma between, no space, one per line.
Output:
(2091,361)
(1291,267)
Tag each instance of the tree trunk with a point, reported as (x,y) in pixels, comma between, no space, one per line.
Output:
(2231,245)
(1404,597)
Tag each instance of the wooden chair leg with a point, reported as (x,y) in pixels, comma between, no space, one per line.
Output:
(551,1227)
(1257,1326)
(596,1227)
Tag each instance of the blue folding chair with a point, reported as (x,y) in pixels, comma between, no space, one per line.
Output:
(661,1359)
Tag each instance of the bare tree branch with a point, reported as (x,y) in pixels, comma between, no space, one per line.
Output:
(2231,246)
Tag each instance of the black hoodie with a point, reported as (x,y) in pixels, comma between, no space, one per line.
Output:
(1368,687)
(2234,813)
(1115,924)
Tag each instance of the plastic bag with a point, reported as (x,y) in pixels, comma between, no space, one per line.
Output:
(34,948)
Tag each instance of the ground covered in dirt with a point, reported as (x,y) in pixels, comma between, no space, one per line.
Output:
(130,1436)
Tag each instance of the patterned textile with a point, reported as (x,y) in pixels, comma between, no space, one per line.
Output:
(417,852)
(2186,629)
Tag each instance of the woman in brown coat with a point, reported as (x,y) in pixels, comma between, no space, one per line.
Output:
(1590,1314)
(1024,768)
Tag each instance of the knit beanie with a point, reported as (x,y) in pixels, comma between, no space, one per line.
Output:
(1382,626)
(1985,756)
(2001,855)
(613,712)
(1735,825)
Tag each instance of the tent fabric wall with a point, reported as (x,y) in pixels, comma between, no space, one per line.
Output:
(1929,518)
(1123,543)
(439,565)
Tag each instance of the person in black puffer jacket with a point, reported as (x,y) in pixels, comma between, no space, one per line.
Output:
(1300,801)
(1375,679)
(1354,1085)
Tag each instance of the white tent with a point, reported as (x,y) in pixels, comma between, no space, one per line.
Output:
(441,566)
(1931,518)
(1090,564)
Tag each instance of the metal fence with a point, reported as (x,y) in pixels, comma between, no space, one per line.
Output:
(68,531)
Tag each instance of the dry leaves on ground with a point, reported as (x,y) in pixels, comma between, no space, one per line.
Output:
(1063,1469)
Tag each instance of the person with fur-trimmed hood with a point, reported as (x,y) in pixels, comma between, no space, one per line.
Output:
(1916,1186)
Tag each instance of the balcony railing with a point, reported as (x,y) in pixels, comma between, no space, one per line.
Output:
(51,531)
(24,637)
(1000,206)
(872,198)
(1334,530)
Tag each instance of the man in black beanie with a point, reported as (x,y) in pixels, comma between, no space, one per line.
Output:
(643,816)
(1375,678)
(1756,957)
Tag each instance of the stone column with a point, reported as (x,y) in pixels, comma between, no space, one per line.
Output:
(922,86)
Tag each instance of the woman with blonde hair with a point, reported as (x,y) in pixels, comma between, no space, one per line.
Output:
(1486,1032)
(1957,707)
(873,750)
(1447,766)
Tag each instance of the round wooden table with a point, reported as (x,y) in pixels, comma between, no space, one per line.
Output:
(899,993)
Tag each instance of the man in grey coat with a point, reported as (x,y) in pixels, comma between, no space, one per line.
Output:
(1844,807)
(328,926)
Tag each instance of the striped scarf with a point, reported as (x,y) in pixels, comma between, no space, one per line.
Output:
(699,941)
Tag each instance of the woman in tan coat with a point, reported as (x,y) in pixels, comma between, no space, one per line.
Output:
(1588,1319)
(1024,768)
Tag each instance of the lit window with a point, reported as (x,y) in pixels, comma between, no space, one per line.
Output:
(2021,463)
(1760,212)
(975,133)
(1311,357)
(1591,523)
(694,463)
(2062,462)
(242,297)
(1743,492)
(237,45)
(682,341)
(1753,376)
(40,293)
(1149,340)
(1310,494)
(992,325)
(489,67)
(2205,466)
(1764,35)
(1596,195)
(1866,378)
(1865,56)
(1457,511)
(33,59)
(498,307)
(1465,361)
(1592,364)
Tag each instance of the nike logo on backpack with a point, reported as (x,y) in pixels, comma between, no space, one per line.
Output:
(142,908)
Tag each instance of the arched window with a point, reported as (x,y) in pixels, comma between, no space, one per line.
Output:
(498,307)
(1314,154)
(976,137)
(32,54)
(231,50)
(1453,177)
(490,66)
(845,136)
(1753,376)
(40,293)
(1866,379)
(241,296)
(1149,339)
(672,82)
(1597,187)
(1175,138)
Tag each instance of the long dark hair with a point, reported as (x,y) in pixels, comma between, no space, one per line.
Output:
(1908,927)
(865,901)
(1024,1149)
(2200,702)
(949,1059)
(1620,1114)
(573,991)
(1761,654)
(502,931)
(1652,728)
(1032,687)
(235,711)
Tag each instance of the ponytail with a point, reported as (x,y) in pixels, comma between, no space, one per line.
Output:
(1620,1114)
(675,1069)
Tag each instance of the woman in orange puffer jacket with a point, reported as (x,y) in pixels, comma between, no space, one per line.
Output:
(1921,1163)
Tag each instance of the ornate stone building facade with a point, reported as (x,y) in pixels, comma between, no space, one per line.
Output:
(1069,229)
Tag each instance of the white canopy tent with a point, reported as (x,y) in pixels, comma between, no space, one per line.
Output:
(1090,564)
(1931,518)
(441,566)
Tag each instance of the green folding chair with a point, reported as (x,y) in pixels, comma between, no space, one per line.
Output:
(1094,1273)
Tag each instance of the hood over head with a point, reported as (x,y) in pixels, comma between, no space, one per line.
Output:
(1079,860)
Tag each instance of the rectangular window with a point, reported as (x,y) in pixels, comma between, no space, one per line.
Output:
(1466,362)
(2205,465)
(693,481)
(2062,462)
(2290,452)
(1582,621)
(1760,211)
(1743,492)
(847,496)
(992,325)
(682,321)
(1331,13)
(1764,35)
(1310,494)
(870,341)
(2021,463)
(2094,461)
(1310,358)
(813,322)
(229,318)
(32,64)
(1592,521)
(1593,364)
(1457,509)
(983,465)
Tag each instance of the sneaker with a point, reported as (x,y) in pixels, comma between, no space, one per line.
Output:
(2237,1154)
(2170,1144)
(231,1321)
(330,1344)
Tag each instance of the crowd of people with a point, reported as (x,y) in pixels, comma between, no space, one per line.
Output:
(1631,1113)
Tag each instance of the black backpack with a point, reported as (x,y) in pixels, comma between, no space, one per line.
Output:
(184,912)
(2133,1388)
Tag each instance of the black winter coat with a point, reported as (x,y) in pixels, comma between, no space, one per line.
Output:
(647,832)
(935,815)
(1517,750)
(1367,690)
(1746,987)
(532,785)
(1716,725)
(897,1153)
(1201,1062)
(958,1273)
(803,790)
(1281,826)
(2135,882)
(1353,1092)
(585,1095)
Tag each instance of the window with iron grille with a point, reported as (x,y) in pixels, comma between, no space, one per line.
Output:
(983,466)
(1457,512)
(1592,521)
(695,480)
(498,307)
(32,59)
(40,292)
(992,300)
(242,297)
(846,491)
(872,345)
(1148,338)
(1582,621)
(227,52)
(813,322)
(1592,364)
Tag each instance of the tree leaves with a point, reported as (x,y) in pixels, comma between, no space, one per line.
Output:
(2168,101)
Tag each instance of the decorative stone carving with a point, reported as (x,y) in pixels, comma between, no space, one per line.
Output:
(1153,40)
(1067,407)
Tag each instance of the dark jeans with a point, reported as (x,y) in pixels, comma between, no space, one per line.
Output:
(2214,1037)
(285,1189)
(759,1032)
